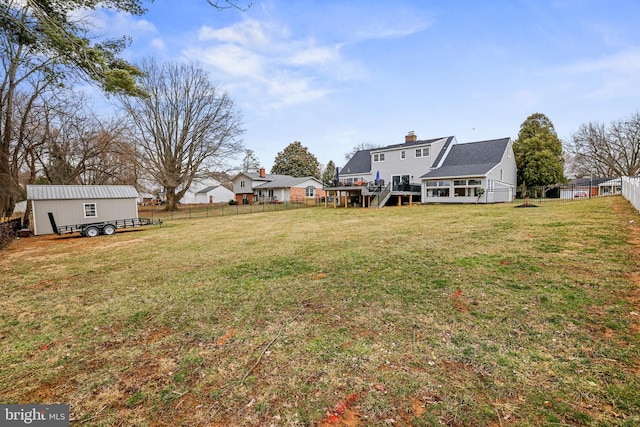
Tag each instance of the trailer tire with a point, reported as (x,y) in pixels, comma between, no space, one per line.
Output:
(109,229)
(91,231)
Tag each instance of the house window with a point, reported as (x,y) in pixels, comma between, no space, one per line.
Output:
(438,188)
(378,157)
(90,210)
(466,188)
(403,154)
(310,191)
(241,184)
(422,152)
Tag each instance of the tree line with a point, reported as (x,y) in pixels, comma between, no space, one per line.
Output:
(173,125)
(594,150)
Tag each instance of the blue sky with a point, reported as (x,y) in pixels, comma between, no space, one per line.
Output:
(335,74)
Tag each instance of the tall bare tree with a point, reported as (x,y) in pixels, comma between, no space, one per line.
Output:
(185,127)
(361,146)
(604,151)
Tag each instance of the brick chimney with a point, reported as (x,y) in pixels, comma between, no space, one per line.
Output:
(262,173)
(411,137)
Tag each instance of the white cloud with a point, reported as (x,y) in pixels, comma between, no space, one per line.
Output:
(248,32)
(613,76)
(316,55)
(622,62)
(274,68)
(158,43)
(114,24)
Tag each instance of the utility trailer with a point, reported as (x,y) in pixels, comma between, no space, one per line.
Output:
(94,229)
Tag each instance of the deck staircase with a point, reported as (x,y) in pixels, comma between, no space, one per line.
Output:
(381,197)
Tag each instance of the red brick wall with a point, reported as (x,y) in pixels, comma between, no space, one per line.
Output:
(240,196)
(297,193)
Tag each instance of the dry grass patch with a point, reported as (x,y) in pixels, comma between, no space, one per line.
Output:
(455,315)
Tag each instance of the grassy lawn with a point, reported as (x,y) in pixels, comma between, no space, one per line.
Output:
(464,315)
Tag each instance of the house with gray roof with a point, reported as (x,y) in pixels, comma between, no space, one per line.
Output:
(260,187)
(80,204)
(434,170)
(473,172)
(207,191)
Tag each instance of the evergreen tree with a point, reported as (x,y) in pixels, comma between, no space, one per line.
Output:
(538,153)
(296,160)
(329,173)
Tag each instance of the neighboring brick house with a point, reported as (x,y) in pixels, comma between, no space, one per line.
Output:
(260,187)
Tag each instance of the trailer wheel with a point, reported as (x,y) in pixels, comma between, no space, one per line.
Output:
(109,229)
(91,231)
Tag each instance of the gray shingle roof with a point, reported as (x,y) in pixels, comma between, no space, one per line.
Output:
(255,176)
(207,189)
(360,162)
(471,159)
(411,143)
(284,181)
(70,192)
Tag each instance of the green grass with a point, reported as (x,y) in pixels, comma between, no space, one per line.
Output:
(425,315)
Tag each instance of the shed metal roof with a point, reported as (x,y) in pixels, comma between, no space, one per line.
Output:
(74,192)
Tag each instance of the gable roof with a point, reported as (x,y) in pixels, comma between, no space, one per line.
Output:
(471,159)
(74,192)
(285,181)
(411,143)
(207,189)
(590,181)
(360,162)
(255,176)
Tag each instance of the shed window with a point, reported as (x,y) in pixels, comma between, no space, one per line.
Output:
(90,210)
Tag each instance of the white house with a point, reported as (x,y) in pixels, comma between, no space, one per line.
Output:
(207,191)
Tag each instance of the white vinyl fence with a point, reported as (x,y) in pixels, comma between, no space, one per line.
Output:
(631,190)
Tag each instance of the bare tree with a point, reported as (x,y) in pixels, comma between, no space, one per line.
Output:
(184,128)
(72,145)
(24,76)
(250,162)
(607,151)
(360,147)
